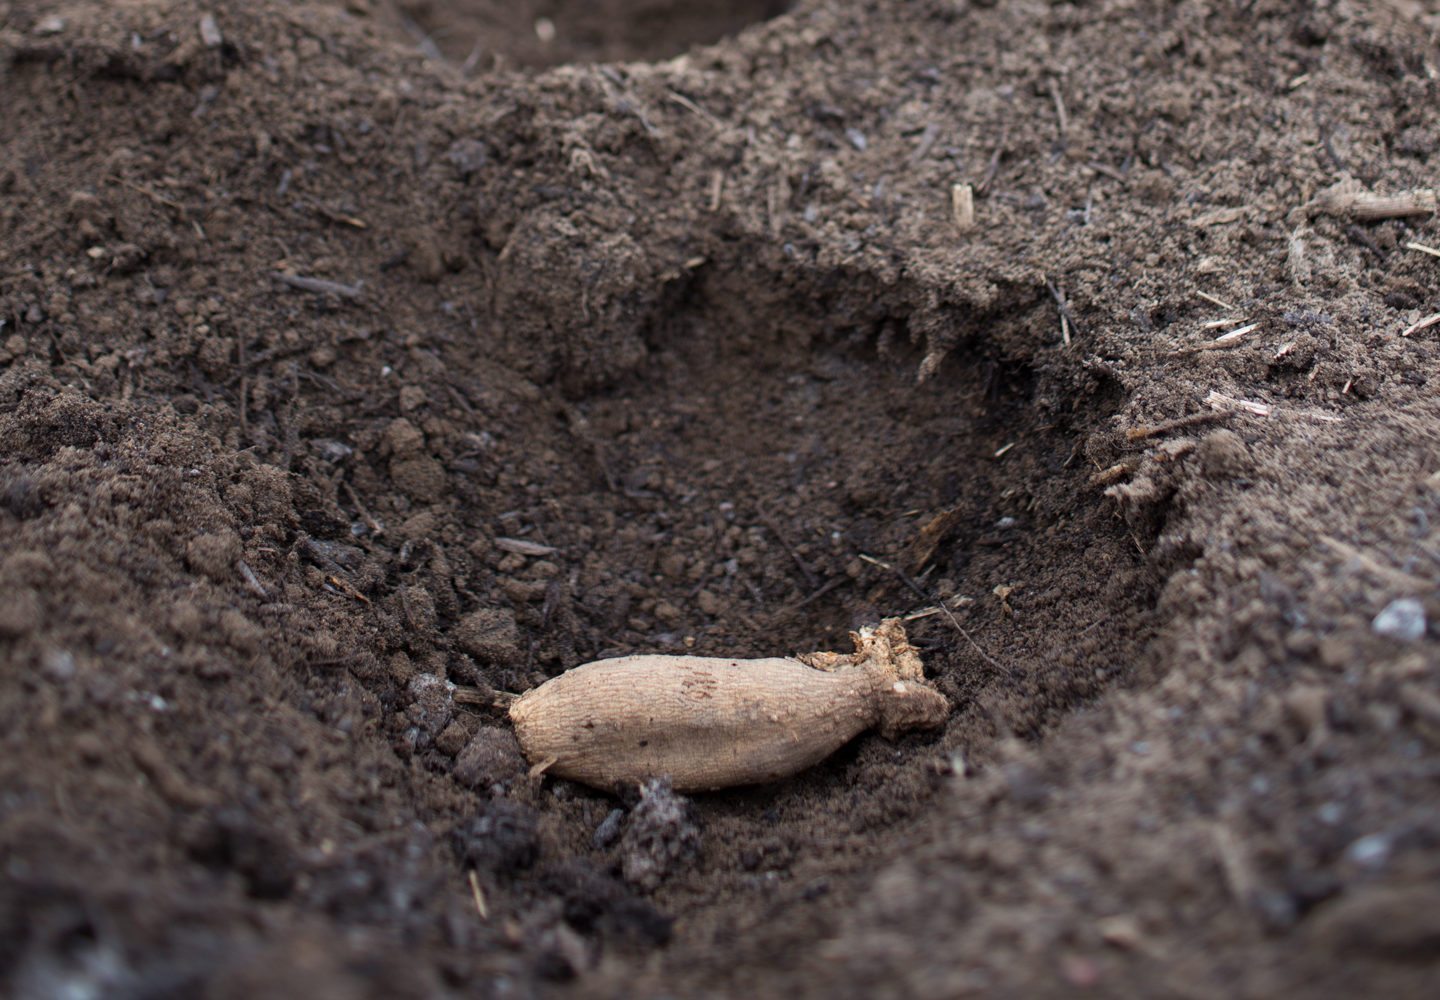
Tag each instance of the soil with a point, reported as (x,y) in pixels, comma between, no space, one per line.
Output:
(360,359)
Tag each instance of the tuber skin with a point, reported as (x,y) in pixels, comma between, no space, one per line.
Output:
(710,722)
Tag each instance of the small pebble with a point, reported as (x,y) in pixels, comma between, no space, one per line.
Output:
(467,156)
(1369,851)
(1403,619)
(609,829)
(58,665)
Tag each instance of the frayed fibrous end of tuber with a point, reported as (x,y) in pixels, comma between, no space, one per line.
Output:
(714,722)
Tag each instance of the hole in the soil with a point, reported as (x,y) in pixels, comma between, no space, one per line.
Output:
(758,471)
(539,33)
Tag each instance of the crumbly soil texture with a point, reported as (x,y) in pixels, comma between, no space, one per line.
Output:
(363,360)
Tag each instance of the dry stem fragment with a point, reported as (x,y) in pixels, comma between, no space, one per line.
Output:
(1214,301)
(1423,324)
(710,722)
(1220,401)
(1348,199)
(1222,342)
(1179,423)
(962,206)
(524,547)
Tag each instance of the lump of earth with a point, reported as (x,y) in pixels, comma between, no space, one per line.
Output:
(660,837)
(503,837)
(433,704)
(492,756)
(214,554)
(490,635)
(1224,455)
(598,903)
(417,474)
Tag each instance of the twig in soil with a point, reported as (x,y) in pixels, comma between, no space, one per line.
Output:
(464,695)
(467,68)
(775,197)
(1220,401)
(1234,863)
(1213,300)
(994,166)
(926,143)
(1348,199)
(345,588)
(1423,249)
(477,895)
(755,591)
(717,189)
(580,426)
(696,109)
(1329,147)
(922,547)
(904,578)
(287,419)
(422,39)
(470,696)
(1233,337)
(319,286)
(251,580)
(524,547)
(154,196)
(1062,120)
(1107,170)
(1067,322)
(376,528)
(804,602)
(1423,324)
(331,215)
(962,206)
(625,102)
(805,570)
(1113,474)
(244,389)
(1221,343)
(1179,423)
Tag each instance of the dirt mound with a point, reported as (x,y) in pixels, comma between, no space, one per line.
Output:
(355,365)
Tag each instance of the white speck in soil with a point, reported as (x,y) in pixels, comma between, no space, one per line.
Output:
(1370,851)
(1403,619)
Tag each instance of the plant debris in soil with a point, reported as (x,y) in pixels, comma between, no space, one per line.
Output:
(361,359)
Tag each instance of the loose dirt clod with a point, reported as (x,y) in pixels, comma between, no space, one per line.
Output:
(659,836)
(502,837)
(708,723)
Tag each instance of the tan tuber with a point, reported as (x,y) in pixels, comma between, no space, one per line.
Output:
(709,722)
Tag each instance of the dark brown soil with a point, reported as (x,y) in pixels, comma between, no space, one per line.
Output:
(351,360)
